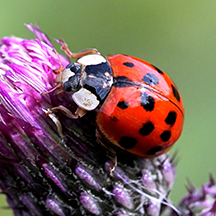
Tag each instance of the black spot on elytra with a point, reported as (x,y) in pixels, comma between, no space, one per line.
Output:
(123,104)
(147,101)
(127,142)
(146,129)
(158,70)
(175,93)
(154,150)
(165,136)
(128,64)
(150,79)
(171,118)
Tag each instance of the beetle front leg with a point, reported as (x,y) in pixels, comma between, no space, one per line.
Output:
(78,54)
(78,114)
(50,112)
(59,70)
(53,89)
(64,110)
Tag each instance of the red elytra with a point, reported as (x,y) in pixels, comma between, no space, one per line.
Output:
(143,113)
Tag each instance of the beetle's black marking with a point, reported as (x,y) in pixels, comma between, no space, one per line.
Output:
(67,86)
(123,104)
(96,79)
(99,70)
(73,82)
(128,64)
(175,93)
(127,142)
(165,136)
(146,129)
(147,101)
(154,150)
(150,79)
(158,70)
(171,118)
(74,67)
(123,81)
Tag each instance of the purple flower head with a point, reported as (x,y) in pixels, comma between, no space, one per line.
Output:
(43,173)
(200,202)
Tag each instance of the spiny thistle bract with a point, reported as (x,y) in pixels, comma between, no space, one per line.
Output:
(44,174)
(199,202)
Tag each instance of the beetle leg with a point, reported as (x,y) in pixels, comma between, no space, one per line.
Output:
(57,71)
(56,121)
(53,89)
(60,91)
(78,54)
(113,162)
(50,112)
(82,70)
(80,112)
(64,110)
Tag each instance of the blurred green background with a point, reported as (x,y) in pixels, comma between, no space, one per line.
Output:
(177,36)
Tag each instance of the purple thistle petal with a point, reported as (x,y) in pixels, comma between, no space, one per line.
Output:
(40,35)
(27,199)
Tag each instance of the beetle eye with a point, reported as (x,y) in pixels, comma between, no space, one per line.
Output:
(74,67)
(67,86)
(72,84)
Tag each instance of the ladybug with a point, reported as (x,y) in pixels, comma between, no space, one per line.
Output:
(140,108)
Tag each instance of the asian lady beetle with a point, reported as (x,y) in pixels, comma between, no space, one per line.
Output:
(141,110)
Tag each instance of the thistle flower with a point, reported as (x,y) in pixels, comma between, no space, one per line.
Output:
(199,202)
(45,174)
